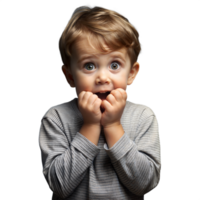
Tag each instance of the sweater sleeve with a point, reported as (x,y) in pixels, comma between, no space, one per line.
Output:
(137,162)
(64,164)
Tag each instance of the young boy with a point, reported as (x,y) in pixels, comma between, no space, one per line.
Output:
(100,146)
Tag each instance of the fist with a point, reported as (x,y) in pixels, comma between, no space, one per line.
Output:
(89,106)
(114,106)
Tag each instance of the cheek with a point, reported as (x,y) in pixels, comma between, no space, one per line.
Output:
(83,83)
(121,81)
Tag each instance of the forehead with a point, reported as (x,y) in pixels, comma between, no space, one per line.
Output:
(89,45)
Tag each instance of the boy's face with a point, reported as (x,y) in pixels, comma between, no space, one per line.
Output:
(98,72)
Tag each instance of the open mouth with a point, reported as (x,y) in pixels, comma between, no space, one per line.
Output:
(102,96)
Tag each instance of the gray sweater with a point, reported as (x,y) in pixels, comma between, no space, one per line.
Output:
(77,169)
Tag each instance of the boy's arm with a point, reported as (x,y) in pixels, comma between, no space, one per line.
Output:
(64,164)
(137,163)
(86,131)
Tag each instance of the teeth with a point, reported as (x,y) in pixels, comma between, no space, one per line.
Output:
(104,92)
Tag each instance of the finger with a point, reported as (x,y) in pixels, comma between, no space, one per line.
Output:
(123,93)
(86,97)
(117,94)
(111,98)
(80,96)
(91,98)
(127,95)
(106,105)
(97,103)
(120,90)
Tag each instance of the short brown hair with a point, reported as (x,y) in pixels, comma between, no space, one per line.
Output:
(105,25)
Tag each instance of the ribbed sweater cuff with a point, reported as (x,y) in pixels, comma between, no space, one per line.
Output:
(120,148)
(81,143)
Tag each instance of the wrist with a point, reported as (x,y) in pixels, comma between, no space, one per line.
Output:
(92,125)
(91,132)
(112,125)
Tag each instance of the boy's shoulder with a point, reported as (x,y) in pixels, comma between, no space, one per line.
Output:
(65,110)
(138,110)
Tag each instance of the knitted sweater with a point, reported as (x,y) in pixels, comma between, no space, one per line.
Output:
(75,168)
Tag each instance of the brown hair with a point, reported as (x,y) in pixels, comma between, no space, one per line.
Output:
(108,27)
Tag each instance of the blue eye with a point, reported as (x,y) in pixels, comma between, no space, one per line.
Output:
(115,65)
(87,65)
(90,64)
(116,62)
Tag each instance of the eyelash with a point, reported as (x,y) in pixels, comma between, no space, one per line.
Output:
(93,63)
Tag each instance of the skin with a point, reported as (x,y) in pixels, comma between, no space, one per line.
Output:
(92,71)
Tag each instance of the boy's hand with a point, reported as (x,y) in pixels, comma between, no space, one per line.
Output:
(89,106)
(114,106)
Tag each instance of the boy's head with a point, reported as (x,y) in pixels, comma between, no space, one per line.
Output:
(99,35)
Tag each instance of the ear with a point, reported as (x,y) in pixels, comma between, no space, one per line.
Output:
(68,75)
(133,72)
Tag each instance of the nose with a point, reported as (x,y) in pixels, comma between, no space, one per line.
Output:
(102,78)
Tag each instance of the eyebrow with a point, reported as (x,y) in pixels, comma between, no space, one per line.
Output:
(114,55)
